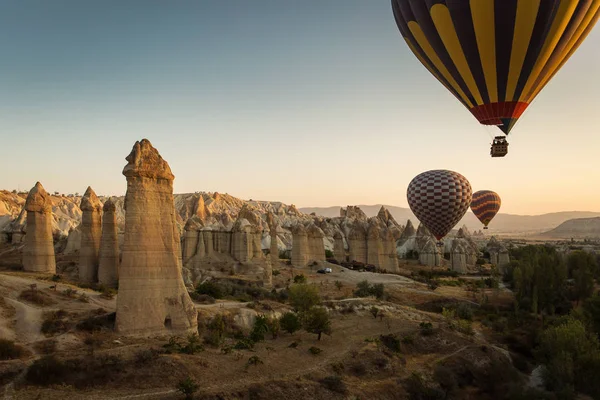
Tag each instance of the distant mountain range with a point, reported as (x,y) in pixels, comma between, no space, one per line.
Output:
(576,228)
(502,223)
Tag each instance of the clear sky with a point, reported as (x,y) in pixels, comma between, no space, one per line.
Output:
(312,102)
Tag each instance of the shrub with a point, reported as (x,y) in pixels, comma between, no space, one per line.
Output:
(303,297)
(69,292)
(84,298)
(9,350)
(274,326)
(408,340)
(418,388)
(464,326)
(374,311)
(244,344)
(276,272)
(339,285)
(202,298)
(365,289)
(390,341)
(335,384)
(445,378)
(329,254)
(46,371)
(55,322)
(188,387)
(290,322)
(145,356)
(426,328)
(37,297)
(254,360)
(300,278)
(193,345)
(260,327)
(211,289)
(464,311)
(315,350)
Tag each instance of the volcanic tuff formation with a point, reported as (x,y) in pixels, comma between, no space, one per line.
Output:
(38,254)
(152,296)
(108,264)
(91,232)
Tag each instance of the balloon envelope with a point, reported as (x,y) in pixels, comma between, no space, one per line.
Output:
(495,56)
(439,199)
(485,205)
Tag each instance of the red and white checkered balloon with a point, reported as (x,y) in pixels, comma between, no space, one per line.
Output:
(439,199)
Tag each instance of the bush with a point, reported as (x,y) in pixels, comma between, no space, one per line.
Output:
(365,289)
(260,328)
(339,285)
(254,360)
(146,356)
(419,389)
(445,378)
(329,254)
(46,371)
(300,278)
(36,297)
(426,328)
(9,350)
(315,351)
(464,326)
(391,341)
(244,344)
(188,387)
(211,289)
(374,311)
(335,384)
(464,311)
(303,297)
(55,322)
(202,298)
(276,272)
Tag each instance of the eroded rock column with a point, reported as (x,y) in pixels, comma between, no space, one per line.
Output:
(91,233)
(152,296)
(38,254)
(108,264)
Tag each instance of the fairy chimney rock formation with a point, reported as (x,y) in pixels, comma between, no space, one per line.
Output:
(458,258)
(316,247)
(375,251)
(273,248)
(152,295)
(339,250)
(38,254)
(499,255)
(299,246)
(430,254)
(91,233)
(190,237)
(108,264)
(353,212)
(357,243)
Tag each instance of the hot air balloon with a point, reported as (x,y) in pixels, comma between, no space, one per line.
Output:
(495,56)
(439,199)
(485,205)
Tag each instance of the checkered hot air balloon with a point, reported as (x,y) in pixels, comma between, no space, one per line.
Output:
(495,56)
(439,199)
(485,205)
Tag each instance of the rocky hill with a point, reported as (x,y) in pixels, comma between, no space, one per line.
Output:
(579,228)
(505,223)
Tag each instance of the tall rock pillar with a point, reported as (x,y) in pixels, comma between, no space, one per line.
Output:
(152,295)
(108,264)
(91,233)
(38,254)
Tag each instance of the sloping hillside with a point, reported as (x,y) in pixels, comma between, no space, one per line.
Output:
(576,228)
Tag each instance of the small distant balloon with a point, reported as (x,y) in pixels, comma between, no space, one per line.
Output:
(439,199)
(485,205)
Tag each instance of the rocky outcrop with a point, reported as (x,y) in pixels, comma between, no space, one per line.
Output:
(38,254)
(300,250)
(390,257)
(152,295)
(316,248)
(91,232)
(353,212)
(499,255)
(273,245)
(375,251)
(191,236)
(430,255)
(458,258)
(339,250)
(108,263)
(357,243)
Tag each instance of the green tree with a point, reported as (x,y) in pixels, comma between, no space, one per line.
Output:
(571,356)
(260,327)
(591,311)
(303,297)
(317,321)
(290,322)
(274,326)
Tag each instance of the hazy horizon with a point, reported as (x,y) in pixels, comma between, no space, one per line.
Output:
(307,103)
